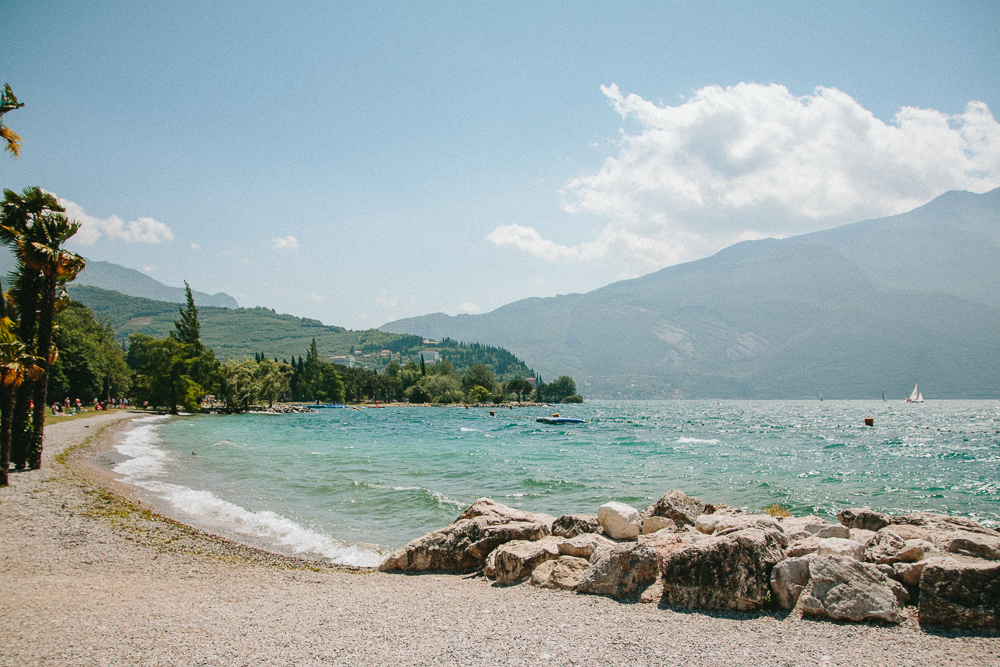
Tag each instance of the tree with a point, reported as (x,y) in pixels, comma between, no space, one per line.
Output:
(90,361)
(15,365)
(162,373)
(478,394)
(34,224)
(272,380)
(556,391)
(520,387)
(239,388)
(479,375)
(8,103)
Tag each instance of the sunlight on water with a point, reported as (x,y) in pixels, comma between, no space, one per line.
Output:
(346,484)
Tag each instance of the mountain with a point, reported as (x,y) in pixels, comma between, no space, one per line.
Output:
(109,276)
(243,332)
(847,313)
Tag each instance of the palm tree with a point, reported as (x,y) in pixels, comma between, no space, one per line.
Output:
(34,224)
(15,366)
(8,103)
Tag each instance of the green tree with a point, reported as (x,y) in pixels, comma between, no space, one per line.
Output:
(90,361)
(478,394)
(239,387)
(562,387)
(11,138)
(479,375)
(520,387)
(34,225)
(272,380)
(15,365)
(162,373)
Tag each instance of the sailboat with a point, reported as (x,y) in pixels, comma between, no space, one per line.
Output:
(915,396)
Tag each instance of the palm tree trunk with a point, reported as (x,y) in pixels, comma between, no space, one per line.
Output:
(21,432)
(46,316)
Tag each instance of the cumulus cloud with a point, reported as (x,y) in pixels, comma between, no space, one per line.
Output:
(386,301)
(752,161)
(287,243)
(195,246)
(469,307)
(140,230)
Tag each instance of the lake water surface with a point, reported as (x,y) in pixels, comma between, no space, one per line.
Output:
(348,485)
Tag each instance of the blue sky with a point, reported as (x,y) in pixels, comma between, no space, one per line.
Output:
(362,162)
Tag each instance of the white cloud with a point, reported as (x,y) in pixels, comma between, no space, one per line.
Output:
(315,297)
(469,307)
(140,230)
(195,246)
(752,161)
(287,243)
(149,268)
(387,301)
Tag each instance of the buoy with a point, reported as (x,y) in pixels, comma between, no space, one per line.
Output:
(491,413)
(869,421)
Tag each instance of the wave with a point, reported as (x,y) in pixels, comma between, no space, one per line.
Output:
(146,462)
(691,441)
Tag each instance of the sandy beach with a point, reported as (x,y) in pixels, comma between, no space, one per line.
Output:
(91,578)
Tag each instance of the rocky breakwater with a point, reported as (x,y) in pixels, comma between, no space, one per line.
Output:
(683,552)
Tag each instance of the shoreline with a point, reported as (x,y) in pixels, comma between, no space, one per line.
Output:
(89,577)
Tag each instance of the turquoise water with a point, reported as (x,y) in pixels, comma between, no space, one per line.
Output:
(346,485)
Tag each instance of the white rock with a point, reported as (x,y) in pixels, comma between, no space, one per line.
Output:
(788,578)
(583,546)
(655,523)
(620,521)
(847,589)
(838,546)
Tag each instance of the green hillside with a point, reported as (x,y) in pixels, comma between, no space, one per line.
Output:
(243,332)
(846,313)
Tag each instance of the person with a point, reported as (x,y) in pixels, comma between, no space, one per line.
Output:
(55,408)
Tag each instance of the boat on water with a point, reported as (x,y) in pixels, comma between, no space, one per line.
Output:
(560,420)
(915,396)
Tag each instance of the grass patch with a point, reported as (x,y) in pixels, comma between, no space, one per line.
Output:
(777,510)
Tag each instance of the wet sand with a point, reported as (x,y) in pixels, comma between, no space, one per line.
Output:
(90,577)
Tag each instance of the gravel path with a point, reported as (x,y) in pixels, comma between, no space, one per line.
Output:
(87,578)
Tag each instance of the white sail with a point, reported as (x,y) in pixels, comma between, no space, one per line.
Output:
(916,396)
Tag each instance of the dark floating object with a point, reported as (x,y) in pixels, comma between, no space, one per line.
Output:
(869,421)
(559,420)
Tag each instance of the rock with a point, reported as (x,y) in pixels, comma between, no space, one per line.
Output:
(899,590)
(864,518)
(843,588)
(583,546)
(652,594)
(619,571)
(571,525)
(974,544)
(838,546)
(884,547)
(887,570)
(514,561)
(619,521)
(913,551)
(861,535)
(731,571)
(563,572)
(678,507)
(499,513)
(802,547)
(723,524)
(909,573)
(664,542)
(657,523)
(908,532)
(465,544)
(799,528)
(788,578)
(960,595)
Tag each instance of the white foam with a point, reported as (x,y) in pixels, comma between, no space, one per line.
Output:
(689,441)
(146,463)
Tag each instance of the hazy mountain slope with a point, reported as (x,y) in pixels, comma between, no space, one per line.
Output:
(850,312)
(109,276)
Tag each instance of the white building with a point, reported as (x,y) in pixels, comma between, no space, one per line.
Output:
(430,356)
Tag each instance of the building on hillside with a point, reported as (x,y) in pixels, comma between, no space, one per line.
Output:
(343,360)
(531,381)
(430,356)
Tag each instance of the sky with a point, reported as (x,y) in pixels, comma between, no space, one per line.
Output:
(358,163)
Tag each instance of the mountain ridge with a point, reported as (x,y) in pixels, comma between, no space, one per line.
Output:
(848,312)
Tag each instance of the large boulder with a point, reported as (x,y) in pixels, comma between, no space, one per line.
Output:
(563,572)
(864,518)
(679,507)
(731,571)
(838,546)
(464,545)
(887,547)
(620,571)
(583,546)
(571,525)
(722,524)
(619,521)
(788,579)
(511,562)
(800,548)
(974,544)
(803,527)
(960,595)
(843,588)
